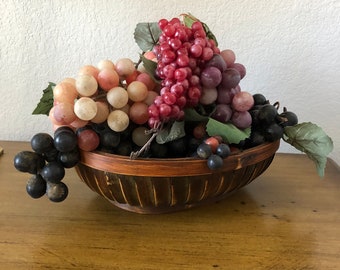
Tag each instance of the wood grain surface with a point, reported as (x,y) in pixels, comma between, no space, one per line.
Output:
(288,218)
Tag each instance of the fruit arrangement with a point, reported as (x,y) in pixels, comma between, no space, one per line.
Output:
(182,98)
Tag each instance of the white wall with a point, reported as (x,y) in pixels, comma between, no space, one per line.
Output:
(291,50)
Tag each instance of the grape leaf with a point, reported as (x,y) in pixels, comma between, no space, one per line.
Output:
(150,67)
(228,132)
(175,131)
(146,35)
(46,102)
(312,140)
(189,19)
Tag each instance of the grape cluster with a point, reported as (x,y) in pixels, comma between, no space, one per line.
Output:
(47,161)
(267,122)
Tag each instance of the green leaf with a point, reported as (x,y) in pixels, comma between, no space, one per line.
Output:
(193,115)
(189,19)
(146,35)
(150,67)
(46,102)
(228,132)
(312,140)
(175,131)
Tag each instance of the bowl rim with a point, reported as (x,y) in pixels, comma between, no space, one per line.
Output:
(188,166)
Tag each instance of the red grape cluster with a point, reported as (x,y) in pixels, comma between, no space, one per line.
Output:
(181,54)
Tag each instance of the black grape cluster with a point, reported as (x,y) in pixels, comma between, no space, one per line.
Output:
(47,161)
(267,123)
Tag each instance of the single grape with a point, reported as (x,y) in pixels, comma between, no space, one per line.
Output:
(241,120)
(86,85)
(259,99)
(240,68)
(204,151)
(242,101)
(88,139)
(218,62)
(28,161)
(85,108)
(42,143)
(118,120)
(287,118)
(109,139)
(69,159)
(208,96)
(57,192)
(53,172)
(140,136)
(228,56)
(137,91)
(125,67)
(65,141)
(36,186)
(223,150)
(211,77)
(118,97)
(267,114)
(222,113)
(64,113)
(102,112)
(89,70)
(273,132)
(213,143)
(214,162)
(108,78)
(65,92)
(230,78)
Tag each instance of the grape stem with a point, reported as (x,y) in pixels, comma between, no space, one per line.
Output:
(146,146)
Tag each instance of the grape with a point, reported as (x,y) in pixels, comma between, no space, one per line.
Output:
(223,150)
(64,113)
(138,113)
(51,155)
(140,136)
(147,80)
(118,97)
(65,141)
(208,96)
(211,77)
(240,68)
(150,98)
(222,113)
(137,91)
(53,172)
(85,108)
(106,64)
(108,78)
(241,120)
(86,85)
(42,143)
(212,142)
(109,139)
(36,186)
(88,139)
(102,112)
(69,159)
(125,67)
(259,99)
(89,70)
(273,132)
(288,118)
(57,192)
(267,114)
(65,92)
(118,120)
(204,151)
(228,56)
(218,62)
(28,161)
(214,162)
(230,78)
(242,101)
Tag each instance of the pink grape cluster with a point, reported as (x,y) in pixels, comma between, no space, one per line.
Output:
(181,54)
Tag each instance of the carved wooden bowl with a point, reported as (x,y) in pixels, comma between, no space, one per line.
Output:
(154,186)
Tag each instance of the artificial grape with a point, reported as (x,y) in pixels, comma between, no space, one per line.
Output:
(222,113)
(88,139)
(242,101)
(118,97)
(57,192)
(69,159)
(147,80)
(199,131)
(124,148)
(137,91)
(240,68)
(230,78)
(53,172)
(109,139)
(36,186)
(211,77)
(204,151)
(208,96)
(288,118)
(223,150)
(102,112)
(64,113)
(267,114)
(257,138)
(51,155)
(140,136)
(218,62)
(138,113)
(28,161)
(108,78)
(42,143)
(150,98)
(89,70)
(228,56)
(106,64)
(178,147)
(86,85)
(158,150)
(85,108)
(241,120)
(273,132)
(63,129)
(214,162)
(118,120)
(65,92)
(259,99)
(65,141)
(125,67)
(213,142)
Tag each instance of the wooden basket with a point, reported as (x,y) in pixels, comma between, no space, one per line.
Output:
(154,186)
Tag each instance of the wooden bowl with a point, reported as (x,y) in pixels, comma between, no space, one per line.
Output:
(154,186)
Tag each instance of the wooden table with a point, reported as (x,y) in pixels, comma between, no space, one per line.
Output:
(288,218)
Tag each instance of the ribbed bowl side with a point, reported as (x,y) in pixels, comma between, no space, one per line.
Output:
(144,194)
